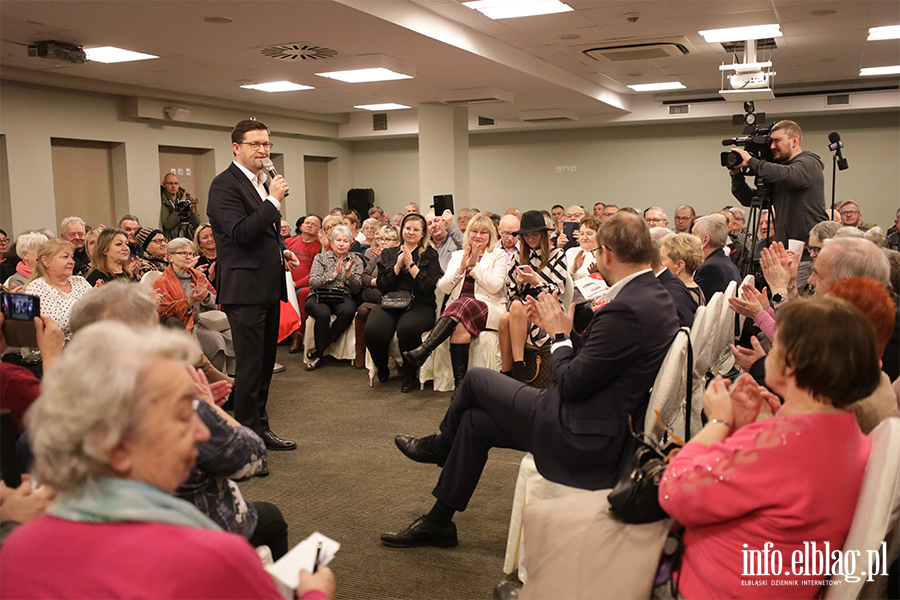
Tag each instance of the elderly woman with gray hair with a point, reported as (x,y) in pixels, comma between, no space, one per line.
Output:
(335,275)
(27,245)
(116,453)
(186,293)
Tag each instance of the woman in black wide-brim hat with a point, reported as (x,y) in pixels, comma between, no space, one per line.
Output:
(537,268)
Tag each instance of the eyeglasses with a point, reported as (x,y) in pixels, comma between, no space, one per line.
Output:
(258,145)
(814,250)
(609,214)
(849,213)
(578,215)
(655,220)
(480,232)
(159,240)
(186,254)
(384,240)
(677,218)
(506,233)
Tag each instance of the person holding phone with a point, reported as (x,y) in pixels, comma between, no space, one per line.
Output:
(537,268)
(567,237)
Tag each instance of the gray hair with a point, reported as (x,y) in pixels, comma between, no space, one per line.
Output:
(659,233)
(856,257)
(76,422)
(389,231)
(825,230)
(29,242)
(130,303)
(342,230)
(67,220)
(715,228)
(371,223)
(848,232)
(178,244)
(875,235)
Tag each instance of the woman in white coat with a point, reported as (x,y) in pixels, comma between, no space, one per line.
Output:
(475,282)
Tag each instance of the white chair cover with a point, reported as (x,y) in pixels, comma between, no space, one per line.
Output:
(723,360)
(343,349)
(150,277)
(669,394)
(876,509)
(751,281)
(530,487)
(703,337)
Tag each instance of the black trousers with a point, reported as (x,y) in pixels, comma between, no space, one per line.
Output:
(409,326)
(325,332)
(271,529)
(490,410)
(254,331)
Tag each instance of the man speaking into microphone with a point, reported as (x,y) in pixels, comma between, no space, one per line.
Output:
(244,211)
(797,183)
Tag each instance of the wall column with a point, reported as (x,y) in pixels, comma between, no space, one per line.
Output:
(443,154)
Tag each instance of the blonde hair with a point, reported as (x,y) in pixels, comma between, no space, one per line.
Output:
(197,237)
(332,220)
(684,247)
(483,222)
(48,249)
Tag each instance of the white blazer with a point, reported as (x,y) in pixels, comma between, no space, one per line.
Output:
(490,282)
(585,269)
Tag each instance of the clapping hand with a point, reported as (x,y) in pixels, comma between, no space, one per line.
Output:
(348,268)
(751,302)
(464,261)
(546,313)
(745,357)
(579,260)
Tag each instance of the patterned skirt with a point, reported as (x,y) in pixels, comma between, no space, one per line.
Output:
(471,313)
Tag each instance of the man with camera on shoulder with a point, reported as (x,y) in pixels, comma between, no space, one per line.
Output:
(178,214)
(797,184)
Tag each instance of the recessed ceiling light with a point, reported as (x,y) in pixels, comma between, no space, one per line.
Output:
(657,87)
(111,54)
(277,86)
(510,9)
(741,34)
(385,106)
(891,32)
(218,20)
(822,13)
(894,70)
(364,75)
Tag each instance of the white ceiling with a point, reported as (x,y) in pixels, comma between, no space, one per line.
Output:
(451,46)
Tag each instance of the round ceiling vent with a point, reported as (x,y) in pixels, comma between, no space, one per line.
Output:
(298,51)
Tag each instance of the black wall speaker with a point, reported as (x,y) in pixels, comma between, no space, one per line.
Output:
(361,200)
(442,203)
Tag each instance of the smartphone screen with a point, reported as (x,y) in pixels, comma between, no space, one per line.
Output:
(569,228)
(19,311)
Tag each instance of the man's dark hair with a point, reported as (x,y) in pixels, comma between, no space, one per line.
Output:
(559,206)
(241,129)
(129,218)
(630,209)
(628,237)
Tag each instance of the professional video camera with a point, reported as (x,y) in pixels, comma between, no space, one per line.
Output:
(755,139)
(183,207)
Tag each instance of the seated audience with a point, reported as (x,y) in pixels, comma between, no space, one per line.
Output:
(682,254)
(875,235)
(116,453)
(608,212)
(717,271)
(573,214)
(305,247)
(334,278)
(509,225)
(184,293)
(52,281)
(72,229)
(475,286)
(578,428)
(284,230)
(581,262)
(851,215)
(819,234)
(369,232)
(153,243)
(681,295)
(412,208)
(27,245)
(537,268)
(411,267)
(370,296)
(131,225)
(712,486)
(657,217)
(324,233)
(445,236)
(205,246)
(463,217)
(352,221)
(891,238)
(684,218)
(397,219)
(5,272)
(111,258)
(90,240)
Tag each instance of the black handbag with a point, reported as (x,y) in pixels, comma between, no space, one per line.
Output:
(397,300)
(635,497)
(331,297)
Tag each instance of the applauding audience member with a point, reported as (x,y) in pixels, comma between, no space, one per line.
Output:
(205,246)
(537,268)
(52,281)
(111,258)
(475,284)
(153,243)
(581,262)
(305,247)
(410,270)
(370,295)
(27,245)
(335,276)
(682,254)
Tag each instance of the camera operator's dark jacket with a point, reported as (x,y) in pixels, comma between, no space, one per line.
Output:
(797,190)
(174,222)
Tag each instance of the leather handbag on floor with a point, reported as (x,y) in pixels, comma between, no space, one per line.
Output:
(537,366)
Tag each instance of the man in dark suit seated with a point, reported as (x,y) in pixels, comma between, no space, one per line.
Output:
(578,428)
(717,270)
(244,211)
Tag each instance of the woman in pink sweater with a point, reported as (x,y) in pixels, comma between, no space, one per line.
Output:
(759,498)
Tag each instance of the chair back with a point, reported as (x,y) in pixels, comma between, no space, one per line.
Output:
(569,292)
(669,393)
(722,359)
(150,277)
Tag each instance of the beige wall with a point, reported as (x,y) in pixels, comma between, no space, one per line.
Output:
(32,115)
(83,181)
(641,165)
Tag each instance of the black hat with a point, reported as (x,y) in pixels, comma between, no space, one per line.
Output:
(532,220)
(145,235)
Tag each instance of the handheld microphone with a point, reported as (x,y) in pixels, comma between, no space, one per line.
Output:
(836,144)
(269,166)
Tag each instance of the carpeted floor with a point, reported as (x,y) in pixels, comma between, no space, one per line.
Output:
(348,481)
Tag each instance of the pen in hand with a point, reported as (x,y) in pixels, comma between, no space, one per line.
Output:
(318,554)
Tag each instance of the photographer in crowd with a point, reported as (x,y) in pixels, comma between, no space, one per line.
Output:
(797,187)
(178,211)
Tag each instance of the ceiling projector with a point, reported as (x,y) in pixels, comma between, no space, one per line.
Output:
(58,51)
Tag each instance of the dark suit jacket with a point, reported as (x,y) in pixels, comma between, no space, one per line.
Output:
(249,250)
(581,431)
(683,299)
(716,272)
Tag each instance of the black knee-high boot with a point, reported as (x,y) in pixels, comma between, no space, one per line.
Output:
(459,358)
(440,332)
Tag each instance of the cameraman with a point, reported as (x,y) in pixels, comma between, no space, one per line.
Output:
(178,215)
(797,187)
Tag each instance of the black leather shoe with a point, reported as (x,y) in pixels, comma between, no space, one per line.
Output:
(273,442)
(421,449)
(408,385)
(422,533)
(314,359)
(383,374)
(507,590)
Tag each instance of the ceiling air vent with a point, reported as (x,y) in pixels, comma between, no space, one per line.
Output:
(298,51)
(485,122)
(679,110)
(837,100)
(379,122)
(641,50)
(475,96)
(738,47)
(544,116)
